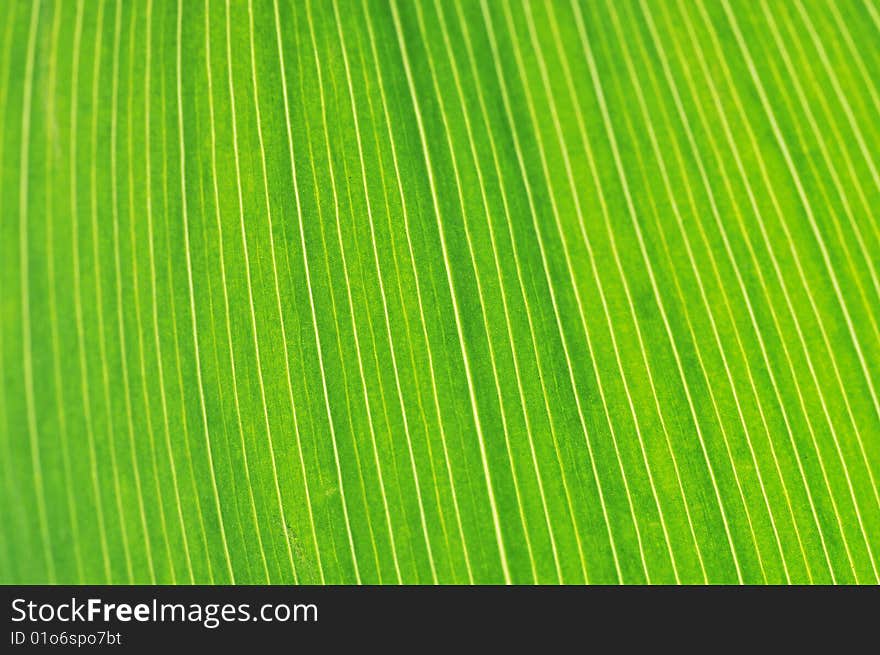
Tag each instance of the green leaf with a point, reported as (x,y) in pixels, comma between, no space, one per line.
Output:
(439,291)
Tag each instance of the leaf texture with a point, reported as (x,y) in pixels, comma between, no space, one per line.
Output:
(439,291)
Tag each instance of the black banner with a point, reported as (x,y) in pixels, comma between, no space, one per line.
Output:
(412,619)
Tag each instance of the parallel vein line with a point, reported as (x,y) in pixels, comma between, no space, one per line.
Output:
(157,343)
(406,428)
(634,217)
(77,293)
(418,286)
(24,251)
(456,311)
(226,304)
(192,301)
(824,251)
(544,261)
(117,266)
(482,303)
(299,212)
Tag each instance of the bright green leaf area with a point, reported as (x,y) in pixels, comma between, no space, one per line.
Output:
(439,291)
